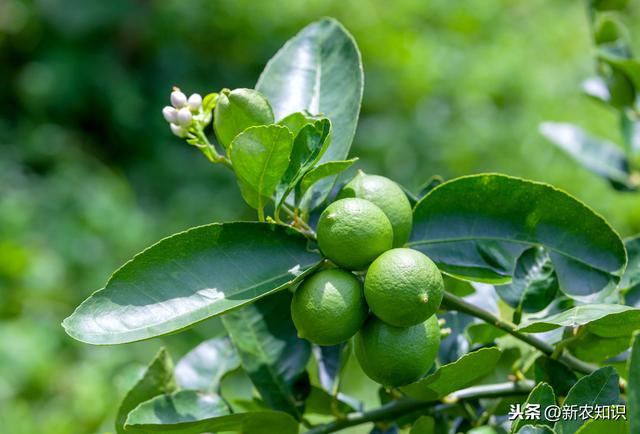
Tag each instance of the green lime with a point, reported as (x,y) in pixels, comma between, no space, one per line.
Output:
(389,197)
(328,307)
(353,232)
(403,287)
(396,356)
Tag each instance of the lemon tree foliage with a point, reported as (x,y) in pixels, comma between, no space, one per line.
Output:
(364,285)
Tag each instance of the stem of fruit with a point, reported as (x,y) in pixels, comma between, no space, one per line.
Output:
(209,150)
(452,302)
(404,406)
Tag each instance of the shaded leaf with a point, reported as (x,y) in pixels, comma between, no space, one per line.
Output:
(454,376)
(191,412)
(593,348)
(260,157)
(606,320)
(186,278)
(203,367)
(536,429)
(331,360)
(633,387)
(597,388)
(543,396)
(557,374)
(483,333)
(631,276)
(270,351)
(596,155)
(475,227)
(322,171)
(237,110)
(424,425)
(157,380)
(319,70)
(322,402)
(629,67)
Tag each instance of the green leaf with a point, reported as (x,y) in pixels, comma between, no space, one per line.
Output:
(534,283)
(189,277)
(542,395)
(191,412)
(157,380)
(633,386)
(319,70)
(606,320)
(551,371)
(270,351)
(598,388)
(237,110)
(424,425)
(322,402)
(296,121)
(260,157)
(596,155)
(629,67)
(600,426)
(483,333)
(203,367)
(631,276)
(322,171)
(608,5)
(536,429)
(454,376)
(593,348)
(475,227)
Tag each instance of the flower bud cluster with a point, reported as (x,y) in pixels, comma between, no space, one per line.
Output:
(180,114)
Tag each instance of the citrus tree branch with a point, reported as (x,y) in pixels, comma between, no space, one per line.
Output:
(452,302)
(401,407)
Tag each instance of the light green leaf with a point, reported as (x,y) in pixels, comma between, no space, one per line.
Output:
(260,157)
(424,425)
(295,121)
(157,380)
(189,277)
(598,388)
(203,367)
(475,227)
(629,67)
(606,320)
(270,351)
(454,376)
(542,395)
(322,171)
(633,387)
(483,333)
(600,426)
(191,412)
(319,70)
(237,110)
(596,155)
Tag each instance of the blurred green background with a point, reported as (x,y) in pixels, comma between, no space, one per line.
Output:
(90,174)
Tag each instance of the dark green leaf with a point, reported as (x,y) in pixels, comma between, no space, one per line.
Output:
(475,227)
(260,157)
(598,388)
(331,360)
(320,71)
(629,67)
(424,425)
(270,351)
(191,412)
(606,320)
(322,171)
(593,348)
(633,387)
(596,155)
(631,276)
(203,367)
(543,395)
(321,402)
(536,429)
(483,333)
(608,29)
(534,283)
(189,277)
(454,376)
(237,110)
(600,426)
(157,380)
(555,373)
(607,5)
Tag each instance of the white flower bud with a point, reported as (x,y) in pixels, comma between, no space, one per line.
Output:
(170,114)
(178,99)
(178,130)
(194,101)
(184,117)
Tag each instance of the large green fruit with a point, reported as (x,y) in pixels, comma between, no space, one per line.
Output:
(403,287)
(329,307)
(389,197)
(353,232)
(396,356)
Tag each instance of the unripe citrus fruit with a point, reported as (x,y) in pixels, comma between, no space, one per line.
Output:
(389,197)
(403,287)
(328,307)
(396,356)
(353,232)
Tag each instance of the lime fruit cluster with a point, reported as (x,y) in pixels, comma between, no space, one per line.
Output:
(366,227)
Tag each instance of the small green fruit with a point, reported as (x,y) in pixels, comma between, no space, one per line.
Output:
(389,197)
(403,287)
(353,232)
(396,356)
(329,308)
